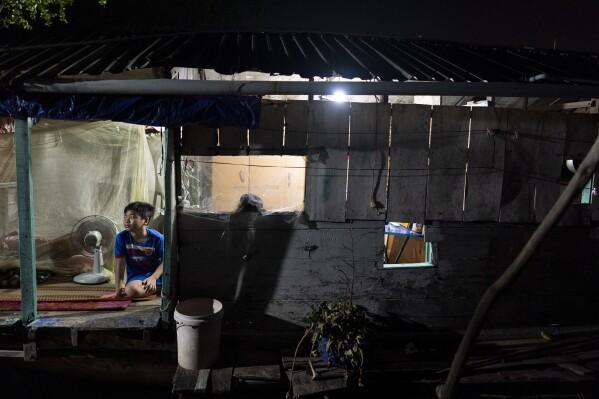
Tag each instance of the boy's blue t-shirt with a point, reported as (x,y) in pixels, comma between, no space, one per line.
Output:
(143,258)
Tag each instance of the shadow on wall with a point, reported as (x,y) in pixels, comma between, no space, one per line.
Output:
(235,258)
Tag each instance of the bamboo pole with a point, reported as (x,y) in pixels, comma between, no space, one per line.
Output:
(581,177)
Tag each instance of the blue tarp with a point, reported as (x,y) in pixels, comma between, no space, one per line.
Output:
(210,111)
(395,230)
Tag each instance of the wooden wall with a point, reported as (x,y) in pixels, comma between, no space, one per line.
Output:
(482,177)
(445,163)
(278,266)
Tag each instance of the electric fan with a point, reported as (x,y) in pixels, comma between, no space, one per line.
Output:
(94,235)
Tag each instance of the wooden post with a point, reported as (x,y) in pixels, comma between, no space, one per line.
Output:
(168,223)
(176,139)
(581,177)
(26,220)
(4,194)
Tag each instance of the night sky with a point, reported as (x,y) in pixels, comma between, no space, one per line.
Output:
(568,25)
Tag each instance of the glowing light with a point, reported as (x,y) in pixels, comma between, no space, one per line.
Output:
(339,96)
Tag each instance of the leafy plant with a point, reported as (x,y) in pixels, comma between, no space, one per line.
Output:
(344,326)
(23,12)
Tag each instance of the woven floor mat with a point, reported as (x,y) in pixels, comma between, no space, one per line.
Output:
(60,289)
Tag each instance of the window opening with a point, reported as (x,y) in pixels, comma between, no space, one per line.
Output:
(588,192)
(405,245)
(215,184)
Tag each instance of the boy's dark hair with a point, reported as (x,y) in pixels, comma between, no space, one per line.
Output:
(143,209)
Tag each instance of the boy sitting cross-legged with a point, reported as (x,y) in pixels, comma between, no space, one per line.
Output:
(141,248)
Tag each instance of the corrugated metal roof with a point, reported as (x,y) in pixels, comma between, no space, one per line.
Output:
(309,55)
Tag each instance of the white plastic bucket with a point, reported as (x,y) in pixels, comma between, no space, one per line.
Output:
(198,332)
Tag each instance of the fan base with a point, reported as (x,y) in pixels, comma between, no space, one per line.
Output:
(90,278)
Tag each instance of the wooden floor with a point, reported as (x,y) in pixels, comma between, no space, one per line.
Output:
(140,315)
(523,363)
(552,364)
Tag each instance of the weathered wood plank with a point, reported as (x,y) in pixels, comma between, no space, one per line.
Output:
(267,373)
(549,162)
(221,380)
(544,360)
(581,133)
(186,380)
(264,264)
(233,141)
(522,143)
(447,168)
(303,385)
(257,366)
(190,220)
(296,128)
(267,138)
(197,140)
(9,319)
(594,207)
(302,382)
(284,280)
(134,318)
(485,164)
(576,368)
(322,243)
(5,192)
(368,153)
(410,133)
(11,353)
(526,375)
(326,173)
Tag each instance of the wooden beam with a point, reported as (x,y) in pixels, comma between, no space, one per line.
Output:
(3,210)
(11,353)
(177,162)
(173,87)
(26,220)
(577,104)
(582,175)
(169,152)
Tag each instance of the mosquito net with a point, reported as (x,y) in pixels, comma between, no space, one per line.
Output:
(78,169)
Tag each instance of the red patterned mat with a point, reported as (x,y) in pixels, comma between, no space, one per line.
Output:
(95,304)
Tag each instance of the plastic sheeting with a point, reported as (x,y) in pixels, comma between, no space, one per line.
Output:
(78,169)
(211,111)
(226,184)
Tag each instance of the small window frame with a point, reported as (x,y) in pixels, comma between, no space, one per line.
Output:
(429,257)
(586,195)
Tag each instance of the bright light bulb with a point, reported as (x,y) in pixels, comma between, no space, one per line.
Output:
(338,96)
